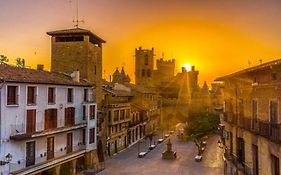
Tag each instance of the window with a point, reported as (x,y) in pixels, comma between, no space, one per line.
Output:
(240,150)
(122,114)
(255,160)
(127,113)
(95,69)
(30,153)
(275,167)
(148,73)
(116,115)
(12,95)
(84,137)
(69,116)
(51,95)
(92,135)
(31,121)
(31,95)
(69,39)
(85,95)
(50,118)
(84,112)
(254,110)
(146,59)
(273,112)
(69,95)
(274,76)
(92,112)
(143,73)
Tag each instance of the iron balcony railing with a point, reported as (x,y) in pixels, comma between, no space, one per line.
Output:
(271,131)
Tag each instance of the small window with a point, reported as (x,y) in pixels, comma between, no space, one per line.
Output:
(148,73)
(84,112)
(12,95)
(255,80)
(51,95)
(92,135)
(146,59)
(143,73)
(95,69)
(273,76)
(69,95)
(85,94)
(31,95)
(92,112)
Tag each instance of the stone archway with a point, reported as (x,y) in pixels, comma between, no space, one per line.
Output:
(100,151)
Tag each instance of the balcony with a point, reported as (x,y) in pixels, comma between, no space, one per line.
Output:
(134,123)
(41,162)
(266,129)
(18,132)
(230,117)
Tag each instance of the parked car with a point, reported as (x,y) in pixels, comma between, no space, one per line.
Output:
(142,154)
(198,158)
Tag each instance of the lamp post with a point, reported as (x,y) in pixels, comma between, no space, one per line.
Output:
(8,159)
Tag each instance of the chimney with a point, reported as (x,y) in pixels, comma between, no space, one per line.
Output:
(40,66)
(75,75)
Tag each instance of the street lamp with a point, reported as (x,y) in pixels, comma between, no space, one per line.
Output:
(8,159)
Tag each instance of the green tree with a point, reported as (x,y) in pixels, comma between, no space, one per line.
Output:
(3,59)
(199,126)
(20,62)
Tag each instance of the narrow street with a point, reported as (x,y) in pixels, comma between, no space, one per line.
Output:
(127,163)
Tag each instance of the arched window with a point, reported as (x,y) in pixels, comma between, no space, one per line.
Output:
(143,72)
(148,73)
(146,59)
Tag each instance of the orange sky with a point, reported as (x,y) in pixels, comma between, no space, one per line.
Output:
(217,36)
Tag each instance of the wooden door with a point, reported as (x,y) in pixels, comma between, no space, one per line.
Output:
(30,153)
(50,147)
(31,121)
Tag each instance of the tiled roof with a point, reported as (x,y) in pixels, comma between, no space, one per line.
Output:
(251,69)
(76,31)
(15,74)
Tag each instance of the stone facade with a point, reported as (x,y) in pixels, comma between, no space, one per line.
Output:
(252,119)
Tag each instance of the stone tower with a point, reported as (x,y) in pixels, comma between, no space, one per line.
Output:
(77,48)
(144,64)
(165,71)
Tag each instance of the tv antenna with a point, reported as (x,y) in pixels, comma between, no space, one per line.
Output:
(77,21)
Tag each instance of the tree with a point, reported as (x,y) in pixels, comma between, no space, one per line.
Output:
(20,62)
(199,126)
(3,59)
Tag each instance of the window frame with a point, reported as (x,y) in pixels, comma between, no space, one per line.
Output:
(16,95)
(34,95)
(72,95)
(54,95)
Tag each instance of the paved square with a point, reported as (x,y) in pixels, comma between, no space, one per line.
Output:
(127,163)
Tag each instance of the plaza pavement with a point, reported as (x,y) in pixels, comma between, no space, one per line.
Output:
(127,163)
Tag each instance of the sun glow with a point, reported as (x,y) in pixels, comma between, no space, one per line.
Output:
(187,67)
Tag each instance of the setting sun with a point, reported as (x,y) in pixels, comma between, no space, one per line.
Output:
(187,66)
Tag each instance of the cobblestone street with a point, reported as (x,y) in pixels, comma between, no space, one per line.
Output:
(127,163)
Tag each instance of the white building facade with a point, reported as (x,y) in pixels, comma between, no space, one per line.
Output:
(47,122)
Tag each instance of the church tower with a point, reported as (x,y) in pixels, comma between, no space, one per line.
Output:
(144,64)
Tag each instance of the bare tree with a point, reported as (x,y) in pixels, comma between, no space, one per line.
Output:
(3,59)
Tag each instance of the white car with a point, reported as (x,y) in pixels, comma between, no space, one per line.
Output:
(142,154)
(160,140)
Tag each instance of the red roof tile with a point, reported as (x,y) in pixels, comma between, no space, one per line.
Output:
(15,74)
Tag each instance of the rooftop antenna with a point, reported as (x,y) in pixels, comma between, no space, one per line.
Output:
(77,21)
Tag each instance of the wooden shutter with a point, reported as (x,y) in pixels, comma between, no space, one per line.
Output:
(46,119)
